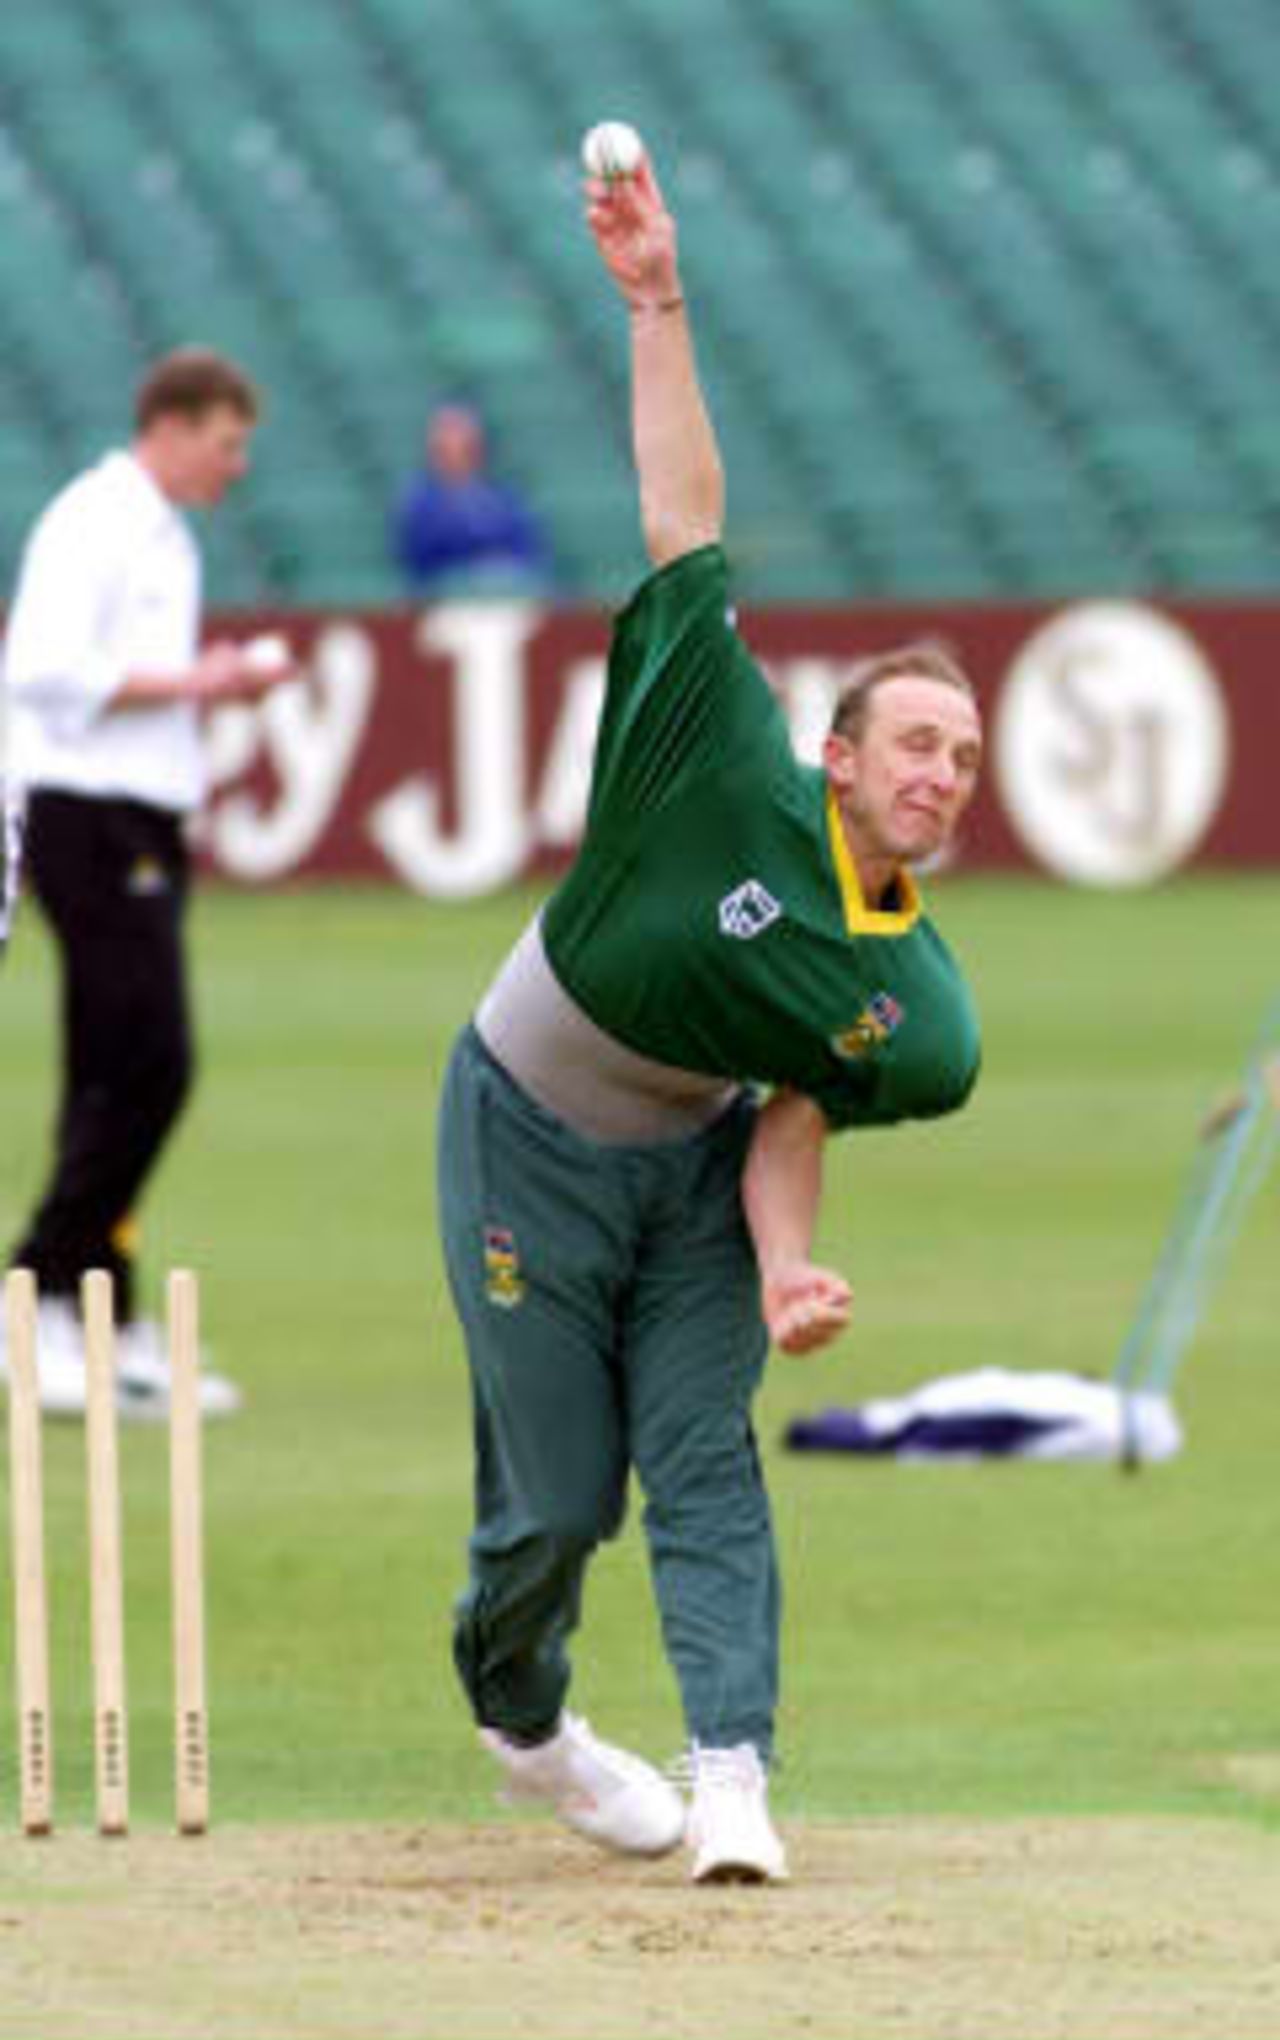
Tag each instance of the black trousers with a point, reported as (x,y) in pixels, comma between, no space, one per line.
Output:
(112,878)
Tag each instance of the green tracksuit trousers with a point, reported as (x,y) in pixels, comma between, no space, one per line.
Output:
(610,1304)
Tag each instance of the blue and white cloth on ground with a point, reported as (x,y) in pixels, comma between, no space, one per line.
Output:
(998,1413)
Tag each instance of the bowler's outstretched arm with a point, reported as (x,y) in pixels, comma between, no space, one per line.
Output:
(677,459)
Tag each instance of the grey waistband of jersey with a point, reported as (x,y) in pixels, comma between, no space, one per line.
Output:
(596,1085)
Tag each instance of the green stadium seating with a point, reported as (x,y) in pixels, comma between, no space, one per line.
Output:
(986,291)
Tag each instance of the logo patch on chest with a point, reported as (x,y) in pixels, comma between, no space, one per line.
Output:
(748,910)
(879,1019)
(504,1284)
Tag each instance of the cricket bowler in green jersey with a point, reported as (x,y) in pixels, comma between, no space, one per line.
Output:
(625,1225)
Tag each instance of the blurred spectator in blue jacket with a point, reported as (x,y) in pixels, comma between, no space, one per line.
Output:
(455,529)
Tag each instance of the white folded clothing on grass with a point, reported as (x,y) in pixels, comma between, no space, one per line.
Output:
(998,1413)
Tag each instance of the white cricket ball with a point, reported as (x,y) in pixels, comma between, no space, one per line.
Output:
(612,150)
(269,653)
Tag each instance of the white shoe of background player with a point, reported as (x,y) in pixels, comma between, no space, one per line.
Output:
(601,1792)
(142,1377)
(732,1837)
(142,1369)
(59,1358)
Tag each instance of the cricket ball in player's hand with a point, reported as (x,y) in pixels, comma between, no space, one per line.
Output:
(612,150)
(269,653)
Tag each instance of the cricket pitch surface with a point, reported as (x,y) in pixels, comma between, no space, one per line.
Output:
(1084,1929)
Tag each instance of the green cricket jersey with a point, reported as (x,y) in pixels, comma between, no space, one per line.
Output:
(713,918)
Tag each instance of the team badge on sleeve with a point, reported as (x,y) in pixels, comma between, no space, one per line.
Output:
(504,1284)
(875,1024)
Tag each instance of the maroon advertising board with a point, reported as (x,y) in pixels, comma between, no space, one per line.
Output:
(449,748)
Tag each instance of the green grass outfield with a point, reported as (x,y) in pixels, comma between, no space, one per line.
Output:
(959,1641)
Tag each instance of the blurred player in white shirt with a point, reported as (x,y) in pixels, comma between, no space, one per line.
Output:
(105,683)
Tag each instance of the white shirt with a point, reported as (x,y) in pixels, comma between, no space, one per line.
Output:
(109,586)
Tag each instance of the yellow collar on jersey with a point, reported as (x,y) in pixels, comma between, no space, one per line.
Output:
(859,918)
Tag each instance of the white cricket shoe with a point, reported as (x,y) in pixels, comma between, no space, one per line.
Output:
(59,1358)
(142,1369)
(732,1837)
(604,1793)
(142,1377)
